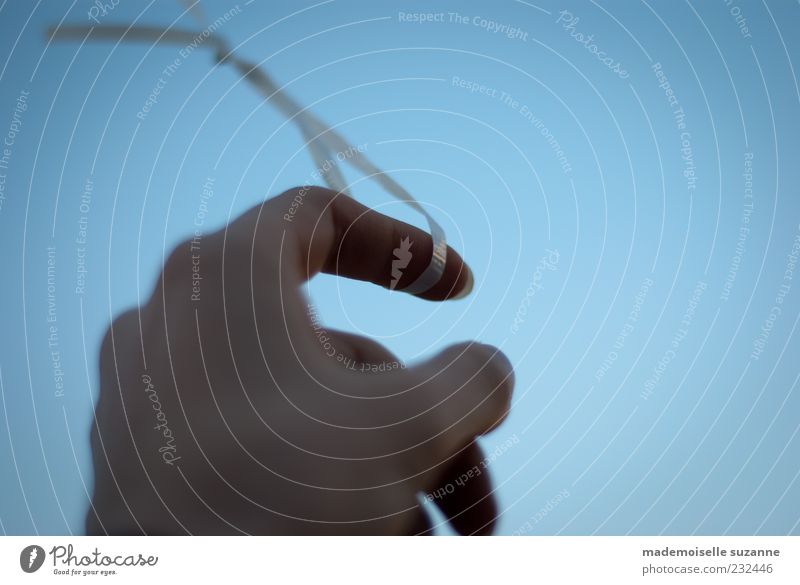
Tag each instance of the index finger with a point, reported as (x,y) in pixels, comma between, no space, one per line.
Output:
(336,234)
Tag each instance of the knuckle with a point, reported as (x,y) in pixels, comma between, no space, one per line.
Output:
(306,197)
(484,377)
(497,378)
(177,262)
(319,195)
(122,331)
(195,260)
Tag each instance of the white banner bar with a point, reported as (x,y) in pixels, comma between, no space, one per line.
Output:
(401,560)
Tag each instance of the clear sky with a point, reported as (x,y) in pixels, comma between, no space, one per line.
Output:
(621,176)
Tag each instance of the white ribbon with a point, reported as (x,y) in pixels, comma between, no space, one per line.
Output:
(322,141)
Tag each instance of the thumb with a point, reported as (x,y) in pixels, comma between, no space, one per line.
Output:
(466,391)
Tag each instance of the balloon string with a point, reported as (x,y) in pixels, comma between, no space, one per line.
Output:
(322,141)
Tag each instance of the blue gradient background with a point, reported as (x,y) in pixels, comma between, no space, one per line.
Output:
(714,449)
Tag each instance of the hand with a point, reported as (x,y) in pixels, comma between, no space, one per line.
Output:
(221,412)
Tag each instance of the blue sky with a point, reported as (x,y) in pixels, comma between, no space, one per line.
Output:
(655,378)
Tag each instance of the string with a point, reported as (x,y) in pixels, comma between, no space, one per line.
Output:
(322,141)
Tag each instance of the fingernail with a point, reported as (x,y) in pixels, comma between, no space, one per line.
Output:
(467,287)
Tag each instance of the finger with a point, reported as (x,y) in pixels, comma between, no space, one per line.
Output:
(470,505)
(422,526)
(361,349)
(465,392)
(333,233)
(355,353)
(471,508)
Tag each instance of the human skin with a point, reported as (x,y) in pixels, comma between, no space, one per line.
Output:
(224,415)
